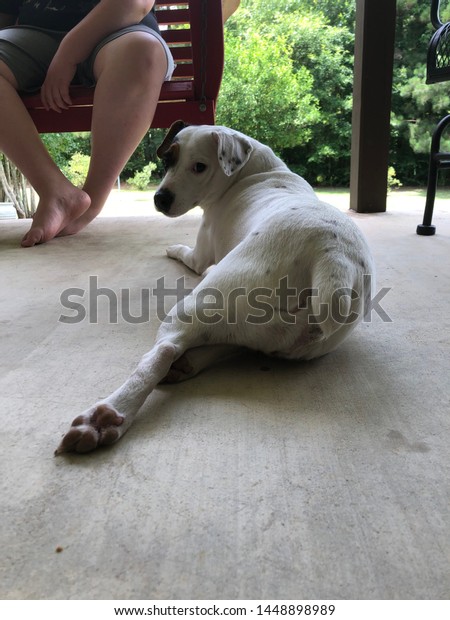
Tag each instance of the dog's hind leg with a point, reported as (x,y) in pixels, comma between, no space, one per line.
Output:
(193,361)
(187,327)
(106,421)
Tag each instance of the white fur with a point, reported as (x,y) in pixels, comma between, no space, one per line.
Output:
(262,224)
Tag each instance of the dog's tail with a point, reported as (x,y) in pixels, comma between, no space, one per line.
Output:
(337,297)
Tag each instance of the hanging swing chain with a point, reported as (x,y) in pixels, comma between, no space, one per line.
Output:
(203,54)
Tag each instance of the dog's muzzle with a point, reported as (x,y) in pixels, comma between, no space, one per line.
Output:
(163,200)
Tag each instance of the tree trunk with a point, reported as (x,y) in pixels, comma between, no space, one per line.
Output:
(14,187)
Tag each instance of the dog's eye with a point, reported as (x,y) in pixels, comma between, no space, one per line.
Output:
(198,167)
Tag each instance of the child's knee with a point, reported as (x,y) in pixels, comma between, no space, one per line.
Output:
(145,53)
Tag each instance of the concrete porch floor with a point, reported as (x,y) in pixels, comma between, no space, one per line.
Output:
(259,479)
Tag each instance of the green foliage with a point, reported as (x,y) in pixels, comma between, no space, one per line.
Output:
(77,168)
(327,52)
(332,12)
(262,95)
(141,180)
(288,81)
(62,146)
(319,36)
(145,153)
(393,182)
(416,106)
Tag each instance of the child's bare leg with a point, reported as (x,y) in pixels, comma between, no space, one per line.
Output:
(130,71)
(60,202)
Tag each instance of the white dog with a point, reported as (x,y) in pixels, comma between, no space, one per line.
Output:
(284,273)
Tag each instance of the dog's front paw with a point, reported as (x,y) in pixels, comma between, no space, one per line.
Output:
(178,251)
(99,426)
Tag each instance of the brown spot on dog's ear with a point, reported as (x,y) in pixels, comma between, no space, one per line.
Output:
(176,127)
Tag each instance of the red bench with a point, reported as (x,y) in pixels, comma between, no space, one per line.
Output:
(193,29)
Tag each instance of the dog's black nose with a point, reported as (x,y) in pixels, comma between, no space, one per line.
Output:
(163,200)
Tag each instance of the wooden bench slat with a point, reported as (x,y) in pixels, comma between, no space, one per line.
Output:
(179,16)
(181,54)
(82,95)
(174,36)
(184,71)
(178,3)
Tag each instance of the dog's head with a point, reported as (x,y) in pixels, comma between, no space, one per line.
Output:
(201,163)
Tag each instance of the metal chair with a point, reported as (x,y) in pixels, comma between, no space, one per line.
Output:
(438,70)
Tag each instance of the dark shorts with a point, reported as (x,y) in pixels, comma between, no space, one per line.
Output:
(28,52)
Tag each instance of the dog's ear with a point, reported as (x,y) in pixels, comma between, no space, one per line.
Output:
(233,151)
(176,127)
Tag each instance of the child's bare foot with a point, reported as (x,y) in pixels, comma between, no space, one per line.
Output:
(54,214)
(81,222)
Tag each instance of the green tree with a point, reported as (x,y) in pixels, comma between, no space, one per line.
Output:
(144,154)
(261,93)
(14,188)
(407,119)
(416,106)
(77,168)
(63,146)
(338,13)
(314,44)
(288,81)
(327,52)
(142,179)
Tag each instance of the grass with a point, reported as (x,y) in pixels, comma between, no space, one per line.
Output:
(135,203)
(405,199)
